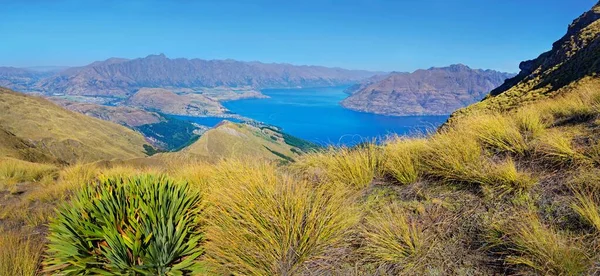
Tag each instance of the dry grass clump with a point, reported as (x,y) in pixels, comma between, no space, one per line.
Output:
(556,147)
(196,173)
(19,253)
(356,167)
(455,158)
(586,203)
(401,159)
(527,242)
(391,236)
(530,122)
(261,222)
(496,131)
(14,171)
(70,179)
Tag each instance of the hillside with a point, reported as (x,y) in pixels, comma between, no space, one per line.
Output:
(120,77)
(230,140)
(127,116)
(435,91)
(63,134)
(571,64)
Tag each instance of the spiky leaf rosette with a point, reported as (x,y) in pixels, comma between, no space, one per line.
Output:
(143,225)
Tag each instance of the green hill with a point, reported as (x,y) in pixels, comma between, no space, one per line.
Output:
(229,140)
(68,136)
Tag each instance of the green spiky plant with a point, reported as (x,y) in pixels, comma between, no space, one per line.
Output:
(143,225)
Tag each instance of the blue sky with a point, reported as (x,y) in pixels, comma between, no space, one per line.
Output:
(382,35)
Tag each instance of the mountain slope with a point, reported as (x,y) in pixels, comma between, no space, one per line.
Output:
(229,140)
(436,91)
(572,64)
(63,134)
(119,78)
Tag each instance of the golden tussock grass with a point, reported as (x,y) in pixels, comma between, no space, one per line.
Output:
(530,122)
(391,236)
(19,253)
(261,222)
(556,148)
(495,131)
(586,201)
(401,159)
(454,158)
(14,171)
(528,242)
(356,167)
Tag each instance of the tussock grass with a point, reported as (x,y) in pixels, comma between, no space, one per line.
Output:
(556,147)
(530,243)
(19,253)
(196,173)
(454,158)
(586,201)
(391,236)
(496,131)
(70,179)
(356,167)
(401,157)
(264,223)
(503,178)
(530,122)
(14,171)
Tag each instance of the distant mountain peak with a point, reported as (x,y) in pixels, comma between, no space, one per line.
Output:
(436,91)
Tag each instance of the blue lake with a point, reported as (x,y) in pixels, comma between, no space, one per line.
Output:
(314,114)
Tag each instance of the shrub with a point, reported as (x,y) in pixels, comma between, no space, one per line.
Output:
(144,224)
(401,159)
(530,243)
(356,166)
(19,254)
(264,223)
(391,236)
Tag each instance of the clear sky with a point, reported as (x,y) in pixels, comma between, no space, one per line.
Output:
(399,35)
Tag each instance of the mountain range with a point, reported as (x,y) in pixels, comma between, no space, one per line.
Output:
(117,77)
(435,91)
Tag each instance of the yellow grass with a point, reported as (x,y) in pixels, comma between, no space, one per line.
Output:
(19,254)
(556,147)
(530,122)
(496,131)
(391,236)
(401,157)
(264,223)
(534,245)
(14,171)
(355,167)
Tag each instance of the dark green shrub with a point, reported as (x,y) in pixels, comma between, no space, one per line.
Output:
(144,225)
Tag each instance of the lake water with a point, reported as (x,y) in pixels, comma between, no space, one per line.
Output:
(314,114)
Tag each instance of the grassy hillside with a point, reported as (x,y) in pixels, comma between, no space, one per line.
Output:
(229,140)
(509,191)
(63,134)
